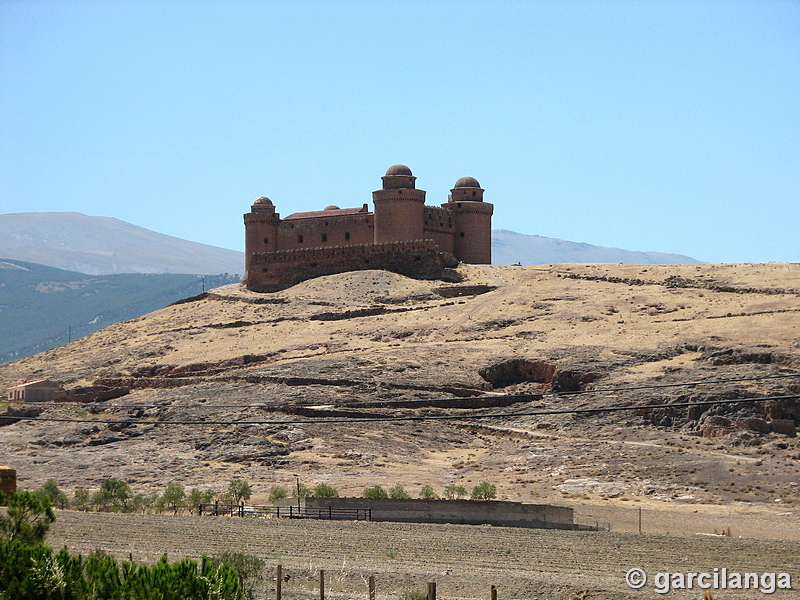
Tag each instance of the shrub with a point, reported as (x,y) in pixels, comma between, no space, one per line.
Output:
(53,493)
(484,491)
(427,493)
(398,492)
(324,490)
(249,568)
(454,492)
(278,493)
(375,492)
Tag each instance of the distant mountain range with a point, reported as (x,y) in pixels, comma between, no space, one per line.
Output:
(43,307)
(509,247)
(103,245)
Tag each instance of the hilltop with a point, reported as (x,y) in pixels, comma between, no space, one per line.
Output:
(372,343)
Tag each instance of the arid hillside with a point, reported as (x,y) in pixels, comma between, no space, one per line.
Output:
(269,386)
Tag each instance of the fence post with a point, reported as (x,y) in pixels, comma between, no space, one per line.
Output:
(291,508)
(322,584)
(493,592)
(216,508)
(241,509)
(431,591)
(200,511)
(372,587)
(279,582)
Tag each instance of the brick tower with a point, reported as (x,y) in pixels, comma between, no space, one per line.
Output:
(399,207)
(473,222)
(260,231)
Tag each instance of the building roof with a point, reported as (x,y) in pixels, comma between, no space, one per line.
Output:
(36,382)
(467,182)
(328,212)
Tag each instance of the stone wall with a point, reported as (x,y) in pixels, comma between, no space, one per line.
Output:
(273,271)
(470,512)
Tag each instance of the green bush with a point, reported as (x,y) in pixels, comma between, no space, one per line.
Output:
(324,490)
(484,491)
(33,572)
(375,492)
(428,493)
(53,493)
(278,493)
(249,568)
(454,492)
(398,492)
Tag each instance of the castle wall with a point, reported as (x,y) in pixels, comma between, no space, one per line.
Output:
(349,230)
(439,226)
(273,271)
(8,480)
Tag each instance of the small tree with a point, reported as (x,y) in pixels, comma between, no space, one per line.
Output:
(27,518)
(174,497)
(428,493)
(454,492)
(278,493)
(239,490)
(114,495)
(375,492)
(484,491)
(197,497)
(53,493)
(398,492)
(323,490)
(80,499)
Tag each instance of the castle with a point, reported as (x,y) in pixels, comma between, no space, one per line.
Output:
(402,235)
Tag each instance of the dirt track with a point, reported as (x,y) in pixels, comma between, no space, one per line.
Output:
(463,560)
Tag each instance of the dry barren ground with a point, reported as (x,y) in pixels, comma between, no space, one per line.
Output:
(463,560)
(238,366)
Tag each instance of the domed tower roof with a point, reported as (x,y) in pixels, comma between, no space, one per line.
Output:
(331,207)
(398,170)
(467,182)
(466,189)
(398,177)
(263,204)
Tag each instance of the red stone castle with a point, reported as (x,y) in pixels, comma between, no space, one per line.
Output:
(401,235)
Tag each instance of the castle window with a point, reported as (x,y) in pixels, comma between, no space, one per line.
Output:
(473,193)
(461,234)
(347,235)
(459,205)
(326,223)
(325,236)
(266,240)
(299,239)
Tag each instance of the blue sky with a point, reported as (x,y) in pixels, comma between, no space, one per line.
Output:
(662,126)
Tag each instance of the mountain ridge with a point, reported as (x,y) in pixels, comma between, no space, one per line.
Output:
(105,245)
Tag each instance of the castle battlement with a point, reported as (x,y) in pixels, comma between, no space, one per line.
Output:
(401,235)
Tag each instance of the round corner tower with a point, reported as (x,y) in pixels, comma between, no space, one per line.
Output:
(473,222)
(399,207)
(260,230)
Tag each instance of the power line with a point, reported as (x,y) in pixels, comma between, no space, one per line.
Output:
(601,390)
(378,419)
